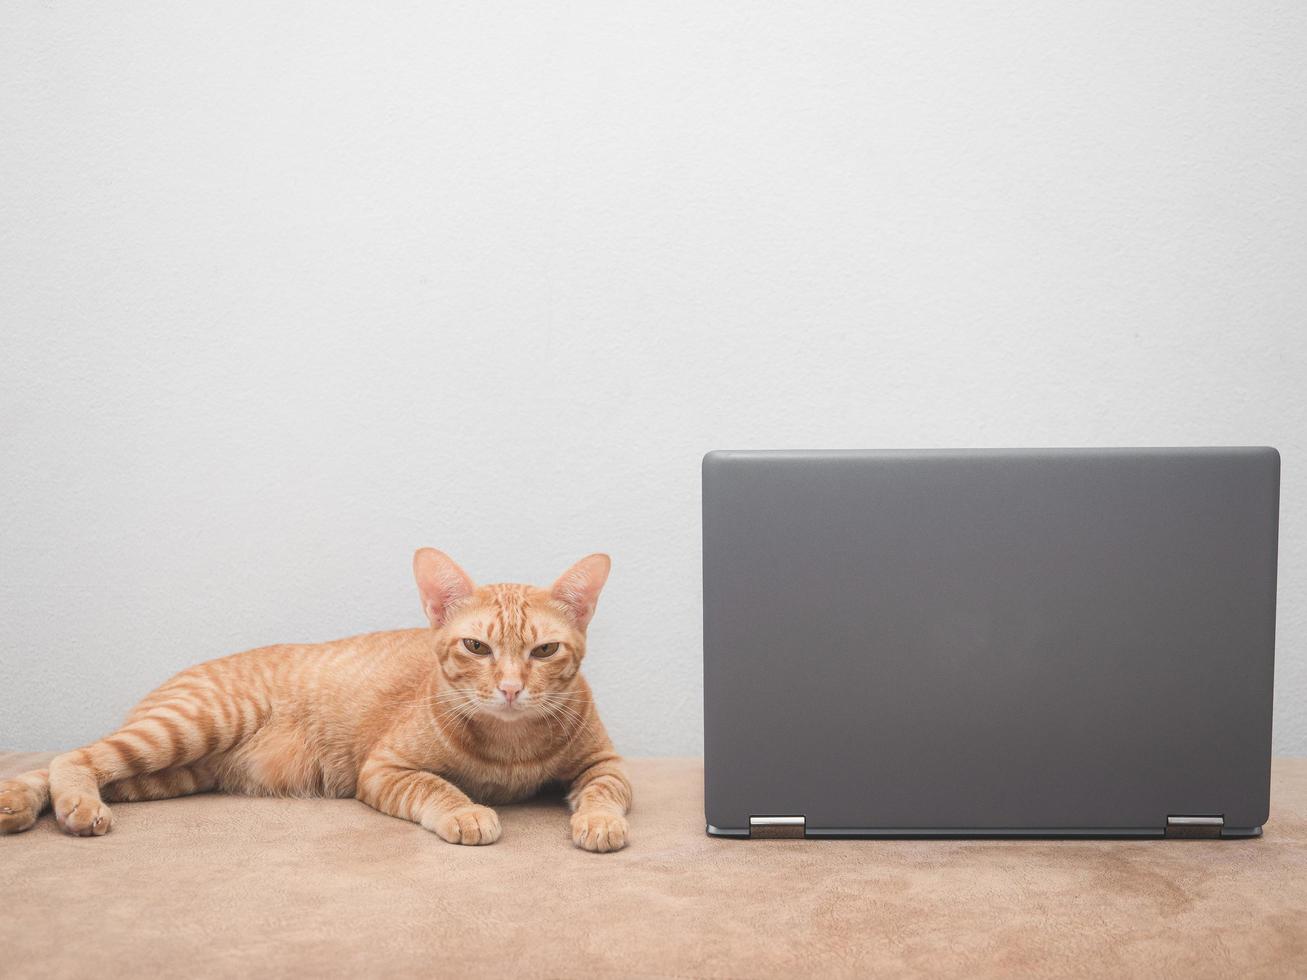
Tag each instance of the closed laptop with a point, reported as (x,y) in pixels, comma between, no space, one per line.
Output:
(989,642)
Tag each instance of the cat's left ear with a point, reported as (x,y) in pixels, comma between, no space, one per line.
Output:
(578,588)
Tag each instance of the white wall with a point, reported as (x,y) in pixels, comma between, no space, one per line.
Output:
(288,290)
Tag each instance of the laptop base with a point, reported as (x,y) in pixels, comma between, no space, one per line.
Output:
(898,833)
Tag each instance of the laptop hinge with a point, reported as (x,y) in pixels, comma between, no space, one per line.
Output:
(1186,826)
(762,827)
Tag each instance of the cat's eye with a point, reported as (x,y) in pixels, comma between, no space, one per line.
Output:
(477,647)
(544,650)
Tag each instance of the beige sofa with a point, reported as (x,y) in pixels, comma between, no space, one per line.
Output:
(224,886)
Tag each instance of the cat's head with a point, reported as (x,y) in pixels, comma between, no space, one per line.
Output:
(511,650)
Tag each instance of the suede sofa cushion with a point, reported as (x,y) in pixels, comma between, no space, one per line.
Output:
(225,886)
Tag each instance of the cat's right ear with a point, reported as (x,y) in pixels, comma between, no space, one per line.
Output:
(441,583)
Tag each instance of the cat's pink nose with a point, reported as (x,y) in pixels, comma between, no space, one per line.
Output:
(510,690)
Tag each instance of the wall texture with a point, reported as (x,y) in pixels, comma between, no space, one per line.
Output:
(289,290)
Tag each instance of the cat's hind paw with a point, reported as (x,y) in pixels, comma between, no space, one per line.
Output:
(84,816)
(19,806)
(466,825)
(599,831)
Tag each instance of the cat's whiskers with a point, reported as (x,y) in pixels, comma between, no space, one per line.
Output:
(457,706)
(552,715)
(457,721)
(441,697)
(565,711)
(571,715)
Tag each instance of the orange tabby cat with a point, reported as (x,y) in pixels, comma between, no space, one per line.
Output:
(487,705)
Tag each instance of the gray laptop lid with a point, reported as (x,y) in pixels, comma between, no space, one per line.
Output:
(989,641)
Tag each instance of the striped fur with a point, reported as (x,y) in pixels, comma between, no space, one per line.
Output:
(415,723)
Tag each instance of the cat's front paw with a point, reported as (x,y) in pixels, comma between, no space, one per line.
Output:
(466,825)
(597,830)
(19,806)
(83,816)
